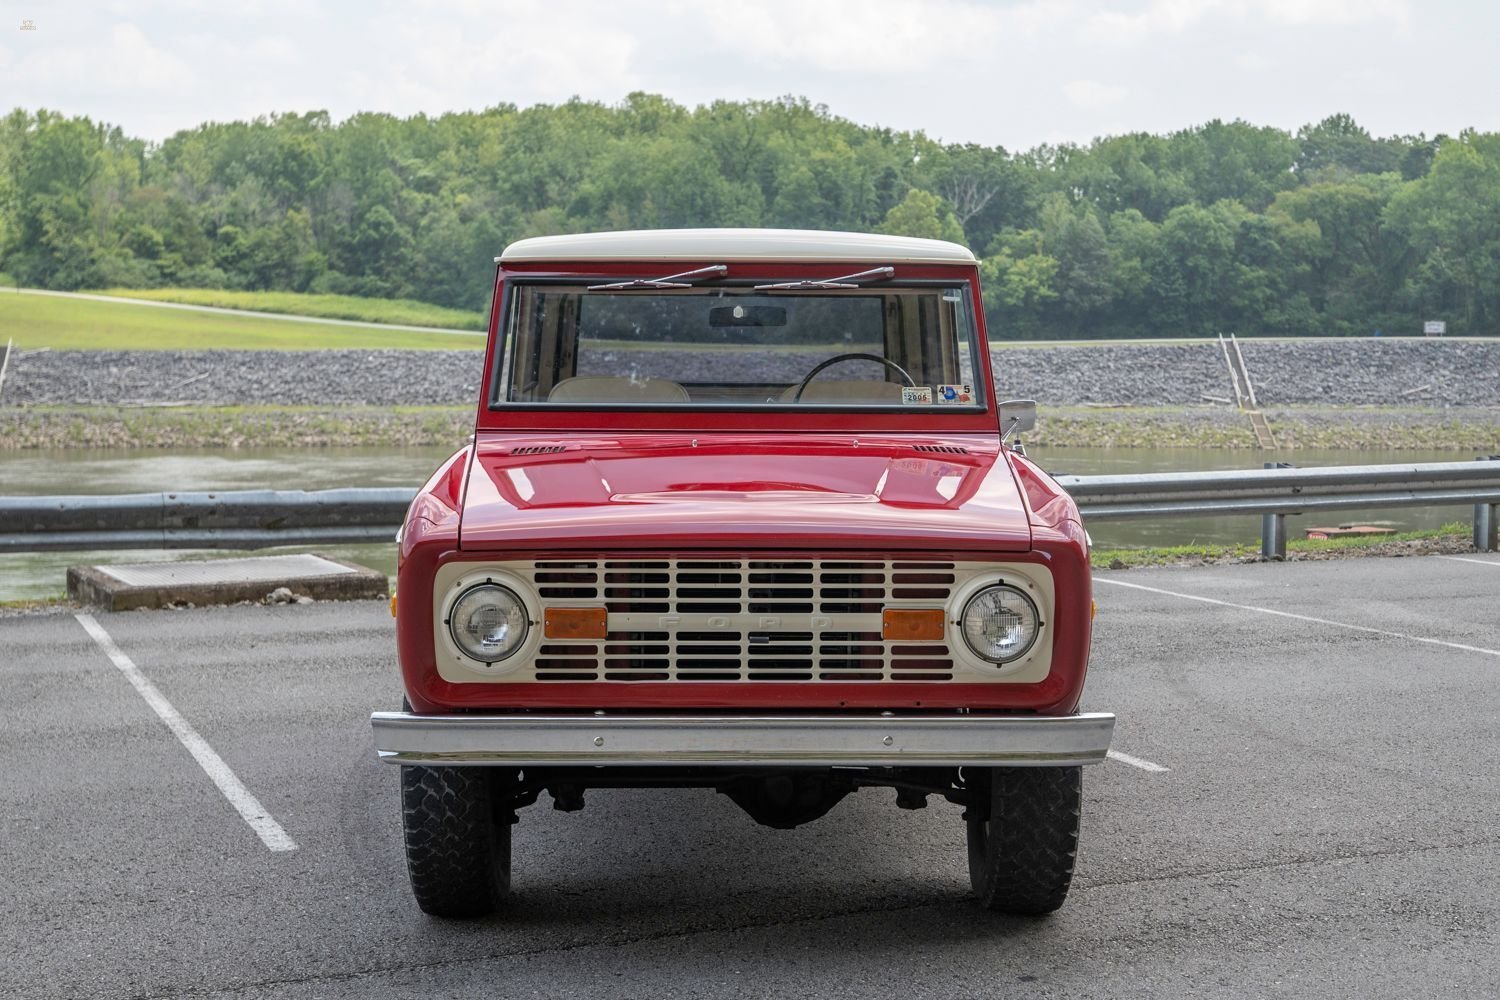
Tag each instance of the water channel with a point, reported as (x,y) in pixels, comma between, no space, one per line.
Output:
(35,575)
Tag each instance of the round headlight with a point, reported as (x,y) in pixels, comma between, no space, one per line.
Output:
(1000,623)
(488,622)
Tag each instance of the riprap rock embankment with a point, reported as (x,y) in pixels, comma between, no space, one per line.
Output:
(1406,372)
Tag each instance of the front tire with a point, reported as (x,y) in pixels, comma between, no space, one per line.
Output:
(457,840)
(1023,836)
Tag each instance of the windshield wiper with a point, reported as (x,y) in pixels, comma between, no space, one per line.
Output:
(847,281)
(670,281)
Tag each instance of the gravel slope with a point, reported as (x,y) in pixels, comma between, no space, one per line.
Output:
(1351,371)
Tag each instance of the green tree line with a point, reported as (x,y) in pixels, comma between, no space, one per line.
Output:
(1225,226)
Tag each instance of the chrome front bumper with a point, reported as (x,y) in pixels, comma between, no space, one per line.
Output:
(727,740)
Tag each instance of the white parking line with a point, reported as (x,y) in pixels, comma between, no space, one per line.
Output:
(1304,618)
(1481,562)
(1144,765)
(248,806)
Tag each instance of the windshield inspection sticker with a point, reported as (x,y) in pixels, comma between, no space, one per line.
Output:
(916,394)
(955,394)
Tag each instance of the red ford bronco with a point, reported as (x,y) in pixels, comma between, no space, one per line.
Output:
(741,512)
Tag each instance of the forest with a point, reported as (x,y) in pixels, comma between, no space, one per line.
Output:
(1221,227)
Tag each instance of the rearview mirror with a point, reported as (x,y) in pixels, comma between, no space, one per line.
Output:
(747,316)
(1016,416)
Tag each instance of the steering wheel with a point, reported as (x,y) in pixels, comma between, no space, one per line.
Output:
(856,356)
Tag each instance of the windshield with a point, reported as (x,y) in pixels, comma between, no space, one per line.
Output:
(570,345)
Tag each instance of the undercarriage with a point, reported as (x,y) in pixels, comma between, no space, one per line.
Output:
(782,798)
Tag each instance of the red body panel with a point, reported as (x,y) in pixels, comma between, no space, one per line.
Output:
(1060,550)
(651,482)
(670,492)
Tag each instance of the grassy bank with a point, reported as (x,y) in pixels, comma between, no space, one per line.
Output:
(64,324)
(1467,432)
(34,605)
(233,426)
(404,312)
(1470,429)
(1449,539)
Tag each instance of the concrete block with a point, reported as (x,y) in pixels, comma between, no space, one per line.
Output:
(222,581)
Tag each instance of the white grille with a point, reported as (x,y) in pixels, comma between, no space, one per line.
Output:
(742,619)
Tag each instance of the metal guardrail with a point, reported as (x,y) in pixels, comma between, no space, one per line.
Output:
(1279,490)
(260,518)
(247,519)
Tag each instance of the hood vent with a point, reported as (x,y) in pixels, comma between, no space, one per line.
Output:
(945,449)
(538,449)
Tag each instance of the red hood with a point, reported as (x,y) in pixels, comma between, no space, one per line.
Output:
(668,491)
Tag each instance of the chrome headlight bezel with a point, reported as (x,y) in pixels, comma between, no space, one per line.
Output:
(1009,589)
(516,607)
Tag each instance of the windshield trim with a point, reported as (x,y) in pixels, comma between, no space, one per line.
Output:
(504,359)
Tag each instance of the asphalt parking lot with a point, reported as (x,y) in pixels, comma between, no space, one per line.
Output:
(1307,805)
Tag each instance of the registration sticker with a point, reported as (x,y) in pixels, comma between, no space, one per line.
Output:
(916,395)
(955,394)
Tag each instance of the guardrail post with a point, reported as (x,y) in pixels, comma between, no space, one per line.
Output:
(1484,518)
(1485,539)
(1273,526)
(1273,536)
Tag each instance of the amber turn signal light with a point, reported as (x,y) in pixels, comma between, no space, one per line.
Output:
(900,624)
(574,623)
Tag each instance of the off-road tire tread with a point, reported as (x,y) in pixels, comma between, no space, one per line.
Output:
(1026,867)
(457,853)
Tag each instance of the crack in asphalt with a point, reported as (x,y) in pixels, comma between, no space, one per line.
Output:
(524,953)
(1395,852)
(689,932)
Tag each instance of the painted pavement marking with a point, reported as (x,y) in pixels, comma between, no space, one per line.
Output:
(248,806)
(1304,618)
(1494,563)
(1144,765)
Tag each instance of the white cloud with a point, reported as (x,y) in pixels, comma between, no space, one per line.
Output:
(291,10)
(277,48)
(420,62)
(1158,17)
(146,66)
(1172,17)
(874,36)
(1332,12)
(124,61)
(1009,72)
(1092,95)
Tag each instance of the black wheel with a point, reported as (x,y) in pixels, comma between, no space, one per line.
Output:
(1023,836)
(457,840)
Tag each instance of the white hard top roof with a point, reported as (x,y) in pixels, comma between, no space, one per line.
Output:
(715,245)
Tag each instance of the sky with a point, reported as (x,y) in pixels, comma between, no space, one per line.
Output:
(1012,74)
